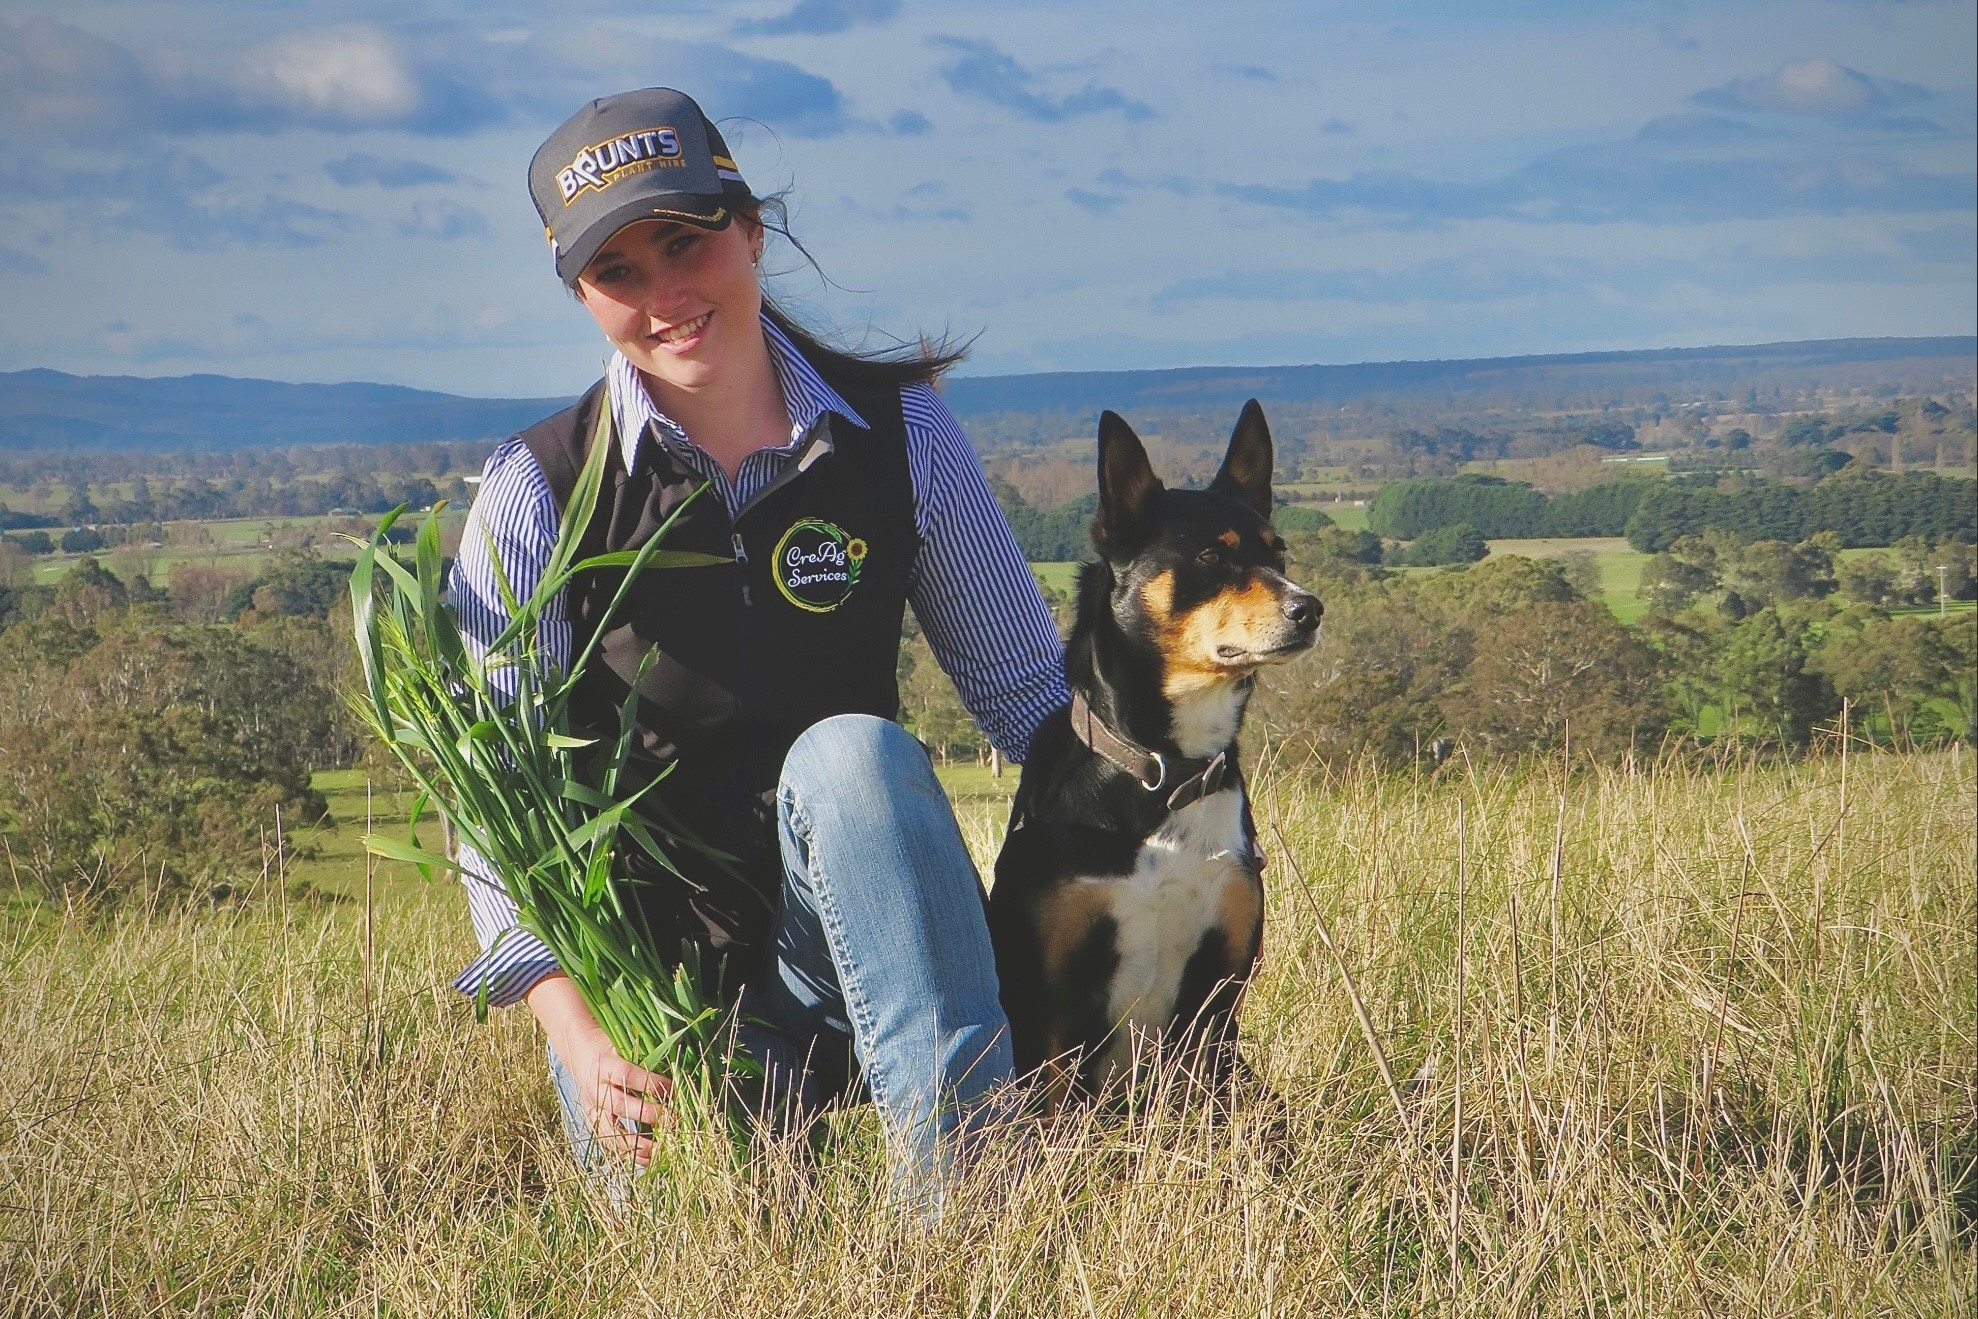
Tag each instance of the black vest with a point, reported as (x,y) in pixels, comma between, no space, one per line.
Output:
(802,622)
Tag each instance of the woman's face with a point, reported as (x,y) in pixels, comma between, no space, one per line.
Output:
(678,301)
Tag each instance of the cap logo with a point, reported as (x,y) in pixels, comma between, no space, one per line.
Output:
(602,164)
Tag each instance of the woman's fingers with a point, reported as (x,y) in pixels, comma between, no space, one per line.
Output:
(611,1135)
(625,1076)
(633,1105)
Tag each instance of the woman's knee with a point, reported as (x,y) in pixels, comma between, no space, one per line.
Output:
(850,743)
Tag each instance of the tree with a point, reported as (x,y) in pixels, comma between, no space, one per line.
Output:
(1331,561)
(1687,657)
(1893,671)
(147,756)
(1764,682)
(202,592)
(1560,664)
(934,710)
(80,508)
(16,569)
(1373,688)
(1770,572)
(1288,518)
(1457,543)
(1500,585)
(299,583)
(1408,510)
(1869,579)
(87,591)
(1671,583)
(36,542)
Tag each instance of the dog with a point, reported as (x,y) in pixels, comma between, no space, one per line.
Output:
(1128,906)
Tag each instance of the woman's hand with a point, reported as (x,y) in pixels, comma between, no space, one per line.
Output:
(608,1087)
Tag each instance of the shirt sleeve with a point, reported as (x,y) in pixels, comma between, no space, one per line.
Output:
(513,522)
(971,590)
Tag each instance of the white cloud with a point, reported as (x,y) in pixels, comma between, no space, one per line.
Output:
(353,74)
(1823,87)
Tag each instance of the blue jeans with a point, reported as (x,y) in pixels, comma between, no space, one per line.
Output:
(881,939)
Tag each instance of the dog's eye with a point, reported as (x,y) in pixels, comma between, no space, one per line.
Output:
(1209,557)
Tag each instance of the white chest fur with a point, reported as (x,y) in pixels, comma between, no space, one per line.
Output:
(1203,722)
(1173,897)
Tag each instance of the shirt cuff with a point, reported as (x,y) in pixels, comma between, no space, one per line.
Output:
(516,962)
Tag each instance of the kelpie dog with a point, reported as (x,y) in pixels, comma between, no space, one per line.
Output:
(1128,900)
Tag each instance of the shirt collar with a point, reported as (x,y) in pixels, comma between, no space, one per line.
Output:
(805,393)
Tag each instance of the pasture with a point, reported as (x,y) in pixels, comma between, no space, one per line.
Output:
(1617,563)
(1670,1039)
(242,544)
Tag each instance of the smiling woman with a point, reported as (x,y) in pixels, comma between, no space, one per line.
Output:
(835,490)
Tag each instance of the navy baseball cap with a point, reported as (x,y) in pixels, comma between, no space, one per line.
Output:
(644,155)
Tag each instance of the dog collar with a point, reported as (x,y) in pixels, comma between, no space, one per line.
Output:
(1150,769)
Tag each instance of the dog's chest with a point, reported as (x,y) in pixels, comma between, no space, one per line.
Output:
(1179,891)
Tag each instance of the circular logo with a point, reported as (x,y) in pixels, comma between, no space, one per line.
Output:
(817,565)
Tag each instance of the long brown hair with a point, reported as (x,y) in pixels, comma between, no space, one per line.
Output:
(910,364)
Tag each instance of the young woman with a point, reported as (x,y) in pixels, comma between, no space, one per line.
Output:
(842,491)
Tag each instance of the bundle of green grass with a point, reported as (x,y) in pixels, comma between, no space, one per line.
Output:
(487,737)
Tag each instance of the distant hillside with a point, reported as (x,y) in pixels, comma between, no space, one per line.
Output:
(1677,370)
(42,410)
(52,410)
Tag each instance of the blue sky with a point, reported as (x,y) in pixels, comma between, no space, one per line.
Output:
(334,191)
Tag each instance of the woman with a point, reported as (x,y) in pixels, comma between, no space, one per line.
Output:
(842,491)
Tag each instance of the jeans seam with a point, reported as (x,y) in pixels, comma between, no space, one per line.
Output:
(849,985)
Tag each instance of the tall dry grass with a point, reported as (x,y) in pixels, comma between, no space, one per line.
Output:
(1671,1041)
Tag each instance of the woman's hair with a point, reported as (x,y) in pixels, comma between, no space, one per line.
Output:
(895,368)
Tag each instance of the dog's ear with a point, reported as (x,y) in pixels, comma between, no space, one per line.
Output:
(1128,490)
(1246,470)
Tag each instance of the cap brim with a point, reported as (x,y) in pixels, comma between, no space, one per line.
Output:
(701,212)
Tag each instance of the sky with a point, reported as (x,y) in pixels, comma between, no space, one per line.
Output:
(337,190)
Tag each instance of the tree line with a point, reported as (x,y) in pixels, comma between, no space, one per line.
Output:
(1510,657)
(1502,509)
(1861,507)
(147,737)
(197,499)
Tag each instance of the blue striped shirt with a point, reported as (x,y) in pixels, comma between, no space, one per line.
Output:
(970,589)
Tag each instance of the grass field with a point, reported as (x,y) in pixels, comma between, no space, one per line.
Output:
(1061,575)
(1347,517)
(239,543)
(1618,564)
(1716,1059)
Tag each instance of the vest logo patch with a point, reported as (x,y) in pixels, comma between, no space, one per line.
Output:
(817,564)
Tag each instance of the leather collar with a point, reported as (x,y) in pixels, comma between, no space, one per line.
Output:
(1184,781)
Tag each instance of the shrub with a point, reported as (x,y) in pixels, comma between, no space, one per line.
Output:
(1498,658)
(1288,518)
(147,756)
(1459,543)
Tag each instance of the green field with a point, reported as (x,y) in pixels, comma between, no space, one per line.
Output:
(1618,564)
(1059,576)
(1347,517)
(244,544)
(1715,1059)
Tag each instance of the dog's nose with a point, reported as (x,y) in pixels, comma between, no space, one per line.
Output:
(1304,610)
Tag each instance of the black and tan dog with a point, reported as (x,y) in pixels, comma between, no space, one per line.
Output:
(1128,904)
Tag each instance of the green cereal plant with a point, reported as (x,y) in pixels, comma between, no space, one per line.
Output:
(488,739)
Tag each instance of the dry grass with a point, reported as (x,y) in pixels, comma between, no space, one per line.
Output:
(1719,1062)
